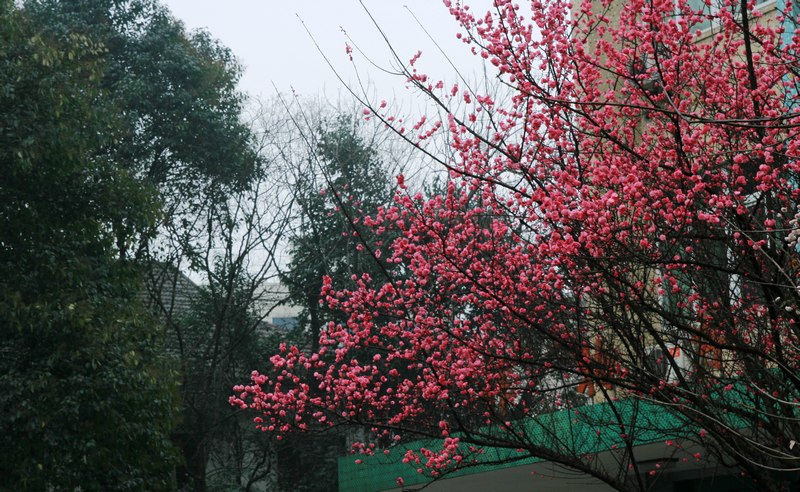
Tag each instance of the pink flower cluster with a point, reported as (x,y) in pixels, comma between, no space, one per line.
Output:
(629,192)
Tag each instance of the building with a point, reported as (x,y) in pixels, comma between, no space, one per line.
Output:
(274,306)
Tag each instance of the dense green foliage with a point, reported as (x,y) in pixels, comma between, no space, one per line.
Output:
(117,128)
(177,127)
(86,397)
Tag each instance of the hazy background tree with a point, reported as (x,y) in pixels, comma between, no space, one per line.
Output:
(217,330)
(341,182)
(335,176)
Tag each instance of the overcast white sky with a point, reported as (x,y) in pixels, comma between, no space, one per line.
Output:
(269,39)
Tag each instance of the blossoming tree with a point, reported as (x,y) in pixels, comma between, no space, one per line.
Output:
(623,227)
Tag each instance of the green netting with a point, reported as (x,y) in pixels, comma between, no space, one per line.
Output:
(582,431)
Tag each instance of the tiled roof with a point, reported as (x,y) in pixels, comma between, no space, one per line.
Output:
(170,292)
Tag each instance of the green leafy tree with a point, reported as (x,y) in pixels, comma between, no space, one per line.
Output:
(179,134)
(118,131)
(179,128)
(343,183)
(87,397)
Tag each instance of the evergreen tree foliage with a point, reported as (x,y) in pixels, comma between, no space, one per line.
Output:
(117,129)
(345,183)
(177,129)
(87,398)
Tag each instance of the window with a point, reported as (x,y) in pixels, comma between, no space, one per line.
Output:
(709,9)
(668,365)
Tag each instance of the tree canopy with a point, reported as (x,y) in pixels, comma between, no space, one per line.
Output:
(178,128)
(88,400)
(118,132)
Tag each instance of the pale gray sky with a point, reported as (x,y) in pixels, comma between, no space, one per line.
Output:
(269,39)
